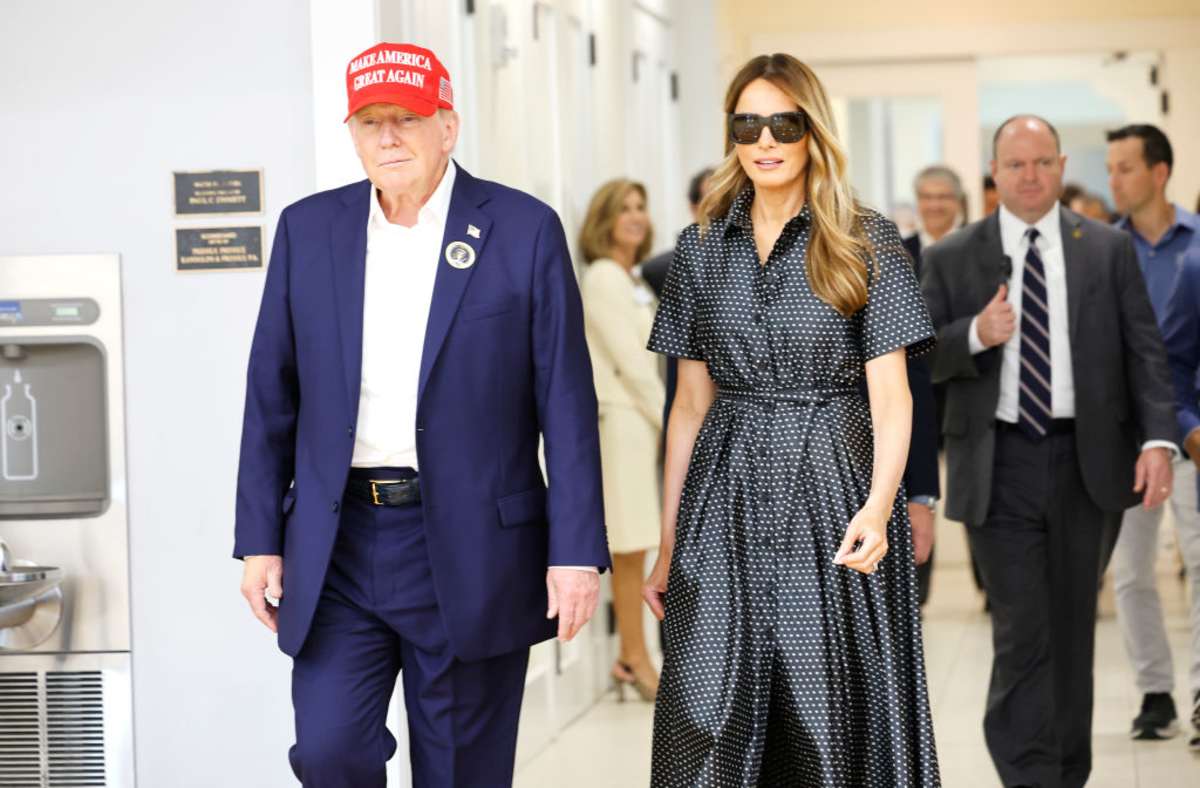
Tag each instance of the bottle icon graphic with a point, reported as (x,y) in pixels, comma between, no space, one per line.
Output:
(18,415)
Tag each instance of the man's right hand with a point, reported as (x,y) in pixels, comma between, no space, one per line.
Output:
(997,322)
(262,576)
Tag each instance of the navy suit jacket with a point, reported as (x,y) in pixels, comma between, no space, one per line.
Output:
(504,363)
(1181,334)
(921,470)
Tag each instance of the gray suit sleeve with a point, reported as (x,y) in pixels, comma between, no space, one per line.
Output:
(952,358)
(1147,372)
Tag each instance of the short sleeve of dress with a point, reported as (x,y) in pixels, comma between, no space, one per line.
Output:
(895,315)
(675,332)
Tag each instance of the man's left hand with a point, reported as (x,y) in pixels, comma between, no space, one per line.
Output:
(1152,476)
(573,597)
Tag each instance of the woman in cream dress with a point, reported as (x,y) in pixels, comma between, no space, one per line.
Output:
(619,313)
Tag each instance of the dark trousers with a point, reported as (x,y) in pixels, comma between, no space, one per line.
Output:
(377,617)
(924,578)
(1040,554)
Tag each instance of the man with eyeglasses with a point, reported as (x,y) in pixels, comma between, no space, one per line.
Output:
(1059,416)
(419,332)
(939,196)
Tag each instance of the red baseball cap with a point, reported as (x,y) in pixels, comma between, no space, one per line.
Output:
(403,74)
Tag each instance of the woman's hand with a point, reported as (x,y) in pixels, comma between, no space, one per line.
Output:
(869,527)
(656,584)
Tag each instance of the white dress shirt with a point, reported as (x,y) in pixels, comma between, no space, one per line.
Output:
(402,263)
(1015,243)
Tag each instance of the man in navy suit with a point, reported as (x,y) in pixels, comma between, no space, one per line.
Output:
(939,194)
(1181,333)
(419,332)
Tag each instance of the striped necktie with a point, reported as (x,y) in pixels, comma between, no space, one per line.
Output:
(1034,402)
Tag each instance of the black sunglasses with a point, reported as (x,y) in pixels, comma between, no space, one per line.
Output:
(745,128)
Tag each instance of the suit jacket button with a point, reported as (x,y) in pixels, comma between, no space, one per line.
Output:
(335,506)
(349,430)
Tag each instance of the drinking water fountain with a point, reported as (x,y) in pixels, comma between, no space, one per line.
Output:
(65,646)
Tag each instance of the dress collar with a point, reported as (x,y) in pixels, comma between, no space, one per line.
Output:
(739,212)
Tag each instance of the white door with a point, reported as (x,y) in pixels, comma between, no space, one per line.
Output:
(897,118)
(652,126)
(1090,94)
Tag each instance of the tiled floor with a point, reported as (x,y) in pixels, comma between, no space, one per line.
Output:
(610,745)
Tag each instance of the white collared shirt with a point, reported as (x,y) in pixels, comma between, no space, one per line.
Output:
(402,263)
(1015,244)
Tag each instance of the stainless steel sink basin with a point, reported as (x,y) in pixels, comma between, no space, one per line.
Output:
(21,583)
(30,601)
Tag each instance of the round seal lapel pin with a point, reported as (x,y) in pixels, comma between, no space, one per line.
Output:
(460,255)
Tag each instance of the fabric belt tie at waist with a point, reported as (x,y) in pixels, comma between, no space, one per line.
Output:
(814,396)
(769,398)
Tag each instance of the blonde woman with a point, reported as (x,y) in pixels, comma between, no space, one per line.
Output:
(793,647)
(618,313)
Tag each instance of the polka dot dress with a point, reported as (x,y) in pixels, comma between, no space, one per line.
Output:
(782,669)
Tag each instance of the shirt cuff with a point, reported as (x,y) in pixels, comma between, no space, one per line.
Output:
(591,569)
(973,341)
(1168,445)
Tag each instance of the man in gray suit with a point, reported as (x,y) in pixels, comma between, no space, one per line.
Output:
(1058,417)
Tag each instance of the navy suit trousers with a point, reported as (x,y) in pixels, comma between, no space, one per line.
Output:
(378,617)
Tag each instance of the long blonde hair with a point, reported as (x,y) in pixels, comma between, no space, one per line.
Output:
(596,234)
(840,255)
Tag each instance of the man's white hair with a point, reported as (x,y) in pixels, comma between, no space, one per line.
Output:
(939,172)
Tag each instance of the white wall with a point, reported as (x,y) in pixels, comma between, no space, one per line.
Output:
(101,101)
(1182,125)
(339,30)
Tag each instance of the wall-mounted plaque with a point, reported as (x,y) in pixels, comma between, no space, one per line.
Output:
(218,248)
(218,192)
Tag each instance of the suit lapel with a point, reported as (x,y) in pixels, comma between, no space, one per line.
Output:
(349,251)
(1075,261)
(450,282)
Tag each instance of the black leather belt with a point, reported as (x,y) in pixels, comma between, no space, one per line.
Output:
(384,487)
(1057,426)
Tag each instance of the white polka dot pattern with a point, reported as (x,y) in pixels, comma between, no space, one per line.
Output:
(782,669)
